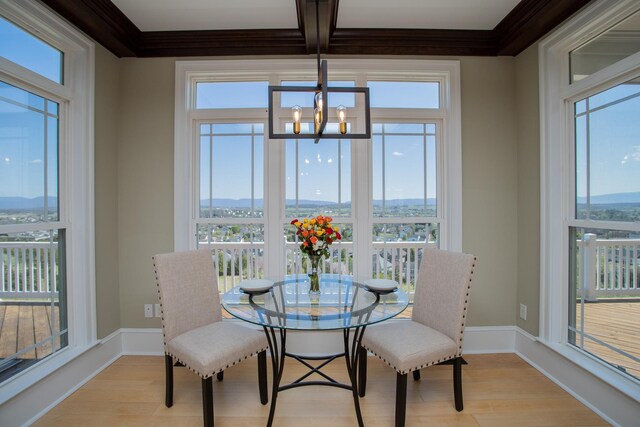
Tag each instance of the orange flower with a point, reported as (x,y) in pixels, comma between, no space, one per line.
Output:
(305,243)
(305,233)
(313,239)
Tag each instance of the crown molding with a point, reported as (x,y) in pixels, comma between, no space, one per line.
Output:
(523,26)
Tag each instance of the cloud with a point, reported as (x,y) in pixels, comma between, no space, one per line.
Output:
(7,160)
(306,161)
(636,153)
(398,154)
(35,161)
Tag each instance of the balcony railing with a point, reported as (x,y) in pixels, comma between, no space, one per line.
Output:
(28,270)
(607,267)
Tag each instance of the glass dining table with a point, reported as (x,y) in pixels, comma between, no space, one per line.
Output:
(343,304)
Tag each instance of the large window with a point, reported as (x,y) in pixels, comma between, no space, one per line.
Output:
(384,194)
(604,237)
(406,178)
(32,279)
(46,218)
(591,193)
(231,204)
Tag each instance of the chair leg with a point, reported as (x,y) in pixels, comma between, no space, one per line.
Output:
(416,375)
(457,383)
(362,371)
(401,399)
(220,376)
(168,387)
(207,401)
(262,377)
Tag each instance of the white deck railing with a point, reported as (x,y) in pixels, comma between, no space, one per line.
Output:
(607,267)
(28,270)
(237,261)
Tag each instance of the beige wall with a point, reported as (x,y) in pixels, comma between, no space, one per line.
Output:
(527,99)
(145,181)
(107,105)
(489,186)
(490,221)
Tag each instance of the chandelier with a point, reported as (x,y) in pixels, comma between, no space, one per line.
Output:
(321,115)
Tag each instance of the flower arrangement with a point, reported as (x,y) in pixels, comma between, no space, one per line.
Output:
(316,234)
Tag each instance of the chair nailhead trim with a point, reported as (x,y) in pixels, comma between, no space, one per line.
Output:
(205,376)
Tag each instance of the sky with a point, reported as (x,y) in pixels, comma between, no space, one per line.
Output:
(323,170)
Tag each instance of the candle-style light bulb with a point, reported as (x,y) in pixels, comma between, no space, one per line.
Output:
(317,119)
(296,112)
(317,112)
(318,100)
(342,118)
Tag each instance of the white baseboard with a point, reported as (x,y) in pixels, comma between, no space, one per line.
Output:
(142,341)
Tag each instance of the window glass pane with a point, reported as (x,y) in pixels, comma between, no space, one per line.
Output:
(32,298)
(30,52)
(606,49)
(231,170)
(28,158)
(232,94)
(318,178)
(604,316)
(404,94)
(404,171)
(398,250)
(608,156)
(305,99)
(237,249)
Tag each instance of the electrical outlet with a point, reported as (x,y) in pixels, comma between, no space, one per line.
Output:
(523,312)
(157,310)
(148,310)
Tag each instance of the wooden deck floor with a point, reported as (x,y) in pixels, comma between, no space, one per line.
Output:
(616,323)
(23,324)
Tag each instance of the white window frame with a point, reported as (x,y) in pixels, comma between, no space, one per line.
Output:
(76,174)
(188,73)
(557,178)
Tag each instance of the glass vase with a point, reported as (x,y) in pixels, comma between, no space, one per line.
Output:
(314,278)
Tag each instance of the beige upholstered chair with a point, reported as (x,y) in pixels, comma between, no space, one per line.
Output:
(435,332)
(194,334)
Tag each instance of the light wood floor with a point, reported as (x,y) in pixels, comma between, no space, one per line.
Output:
(499,390)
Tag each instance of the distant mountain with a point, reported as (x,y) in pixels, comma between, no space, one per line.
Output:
(613,199)
(246,203)
(24,203)
(405,202)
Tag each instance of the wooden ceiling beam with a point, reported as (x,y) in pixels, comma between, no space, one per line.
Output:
(309,20)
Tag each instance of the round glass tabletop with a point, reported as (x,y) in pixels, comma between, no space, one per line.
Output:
(342,303)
